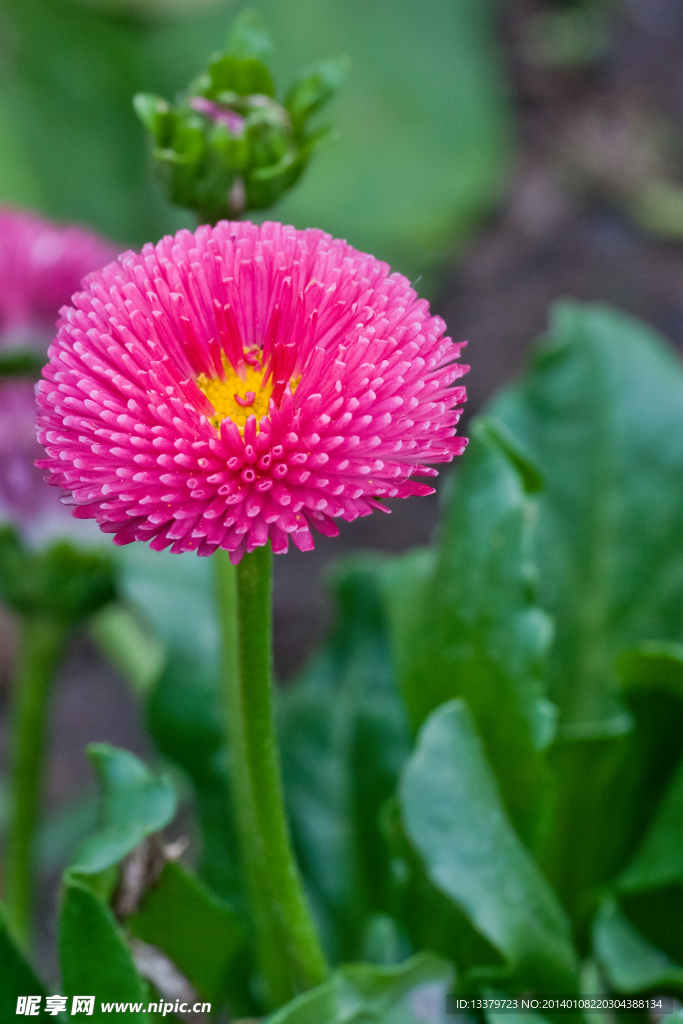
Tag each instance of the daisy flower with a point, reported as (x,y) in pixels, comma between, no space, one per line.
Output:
(41,265)
(245,383)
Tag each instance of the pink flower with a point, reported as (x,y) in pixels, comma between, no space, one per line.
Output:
(41,264)
(245,383)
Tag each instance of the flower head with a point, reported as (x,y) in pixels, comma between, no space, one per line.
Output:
(41,264)
(245,383)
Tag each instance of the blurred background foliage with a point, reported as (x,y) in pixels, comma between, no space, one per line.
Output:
(423,124)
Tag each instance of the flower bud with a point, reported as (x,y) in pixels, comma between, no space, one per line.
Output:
(228,146)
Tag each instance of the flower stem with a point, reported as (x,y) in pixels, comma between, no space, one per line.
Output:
(288,951)
(42,641)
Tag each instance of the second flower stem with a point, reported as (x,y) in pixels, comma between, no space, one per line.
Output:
(288,950)
(42,641)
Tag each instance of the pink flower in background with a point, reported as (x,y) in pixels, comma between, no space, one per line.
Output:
(245,383)
(41,265)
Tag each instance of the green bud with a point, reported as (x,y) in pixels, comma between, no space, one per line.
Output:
(227,146)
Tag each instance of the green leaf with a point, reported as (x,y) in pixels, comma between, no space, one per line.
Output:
(659,860)
(601,411)
(465,621)
(630,962)
(315,88)
(94,956)
(134,650)
(135,803)
(430,919)
(156,115)
(344,737)
(63,829)
(248,37)
(242,75)
(196,930)
(652,665)
(17,977)
(657,915)
(360,992)
(453,815)
(607,790)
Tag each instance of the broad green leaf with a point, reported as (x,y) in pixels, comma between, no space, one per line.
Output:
(411,993)
(454,817)
(17,977)
(629,961)
(64,829)
(659,860)
(657,914)
(652,665)
(344,738)
(607,790)
(429,917)
(583,847)
(196,929)
(601,411)
(135,803)
(93,954)
(465,622)
(651,880)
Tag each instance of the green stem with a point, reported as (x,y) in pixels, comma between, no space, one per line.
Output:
(288,951)
(42,641)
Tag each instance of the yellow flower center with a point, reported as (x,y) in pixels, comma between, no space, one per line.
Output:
(236,398)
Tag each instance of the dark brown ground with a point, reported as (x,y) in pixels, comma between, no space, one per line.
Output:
(589,138)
